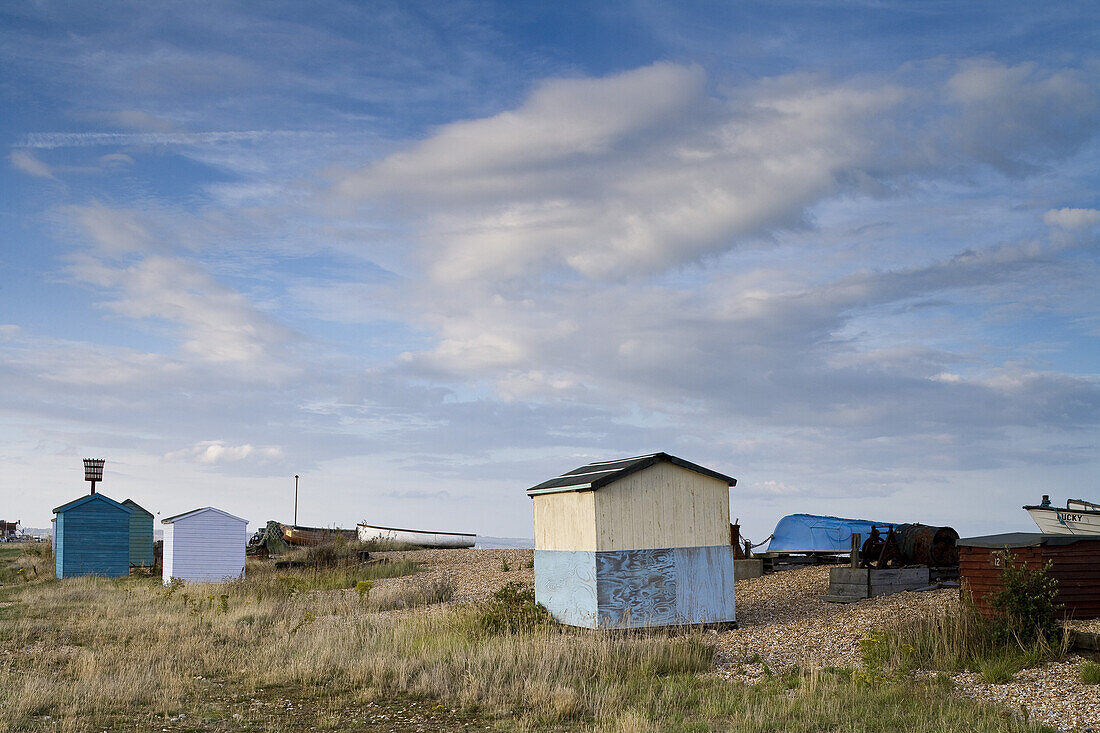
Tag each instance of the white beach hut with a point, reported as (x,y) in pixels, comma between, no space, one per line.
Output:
(204,546)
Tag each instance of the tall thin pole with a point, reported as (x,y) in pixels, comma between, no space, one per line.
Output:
(295,500)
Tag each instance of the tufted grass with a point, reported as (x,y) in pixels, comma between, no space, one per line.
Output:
(94,654)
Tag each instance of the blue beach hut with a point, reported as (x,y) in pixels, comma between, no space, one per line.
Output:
(92,537)
(141,534)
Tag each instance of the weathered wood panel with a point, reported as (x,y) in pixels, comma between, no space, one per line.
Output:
(565,582)
(665,586)
(565,521)
(636,588)
(660,507)
(1076,567)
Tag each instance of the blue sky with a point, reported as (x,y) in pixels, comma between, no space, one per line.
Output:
(427,255)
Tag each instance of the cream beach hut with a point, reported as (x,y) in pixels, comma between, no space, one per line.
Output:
(635,542)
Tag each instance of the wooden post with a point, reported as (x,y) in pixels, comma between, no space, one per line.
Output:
(857,543)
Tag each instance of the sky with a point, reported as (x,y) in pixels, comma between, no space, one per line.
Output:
(427,255)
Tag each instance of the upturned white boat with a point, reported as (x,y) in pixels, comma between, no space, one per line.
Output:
(1078,517)
(369,532)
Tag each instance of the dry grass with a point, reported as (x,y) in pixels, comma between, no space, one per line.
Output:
(129,654)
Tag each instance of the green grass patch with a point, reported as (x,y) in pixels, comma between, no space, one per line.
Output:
(1090,673)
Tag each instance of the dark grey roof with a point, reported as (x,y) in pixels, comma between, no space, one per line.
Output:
(602,473)
(1023,539)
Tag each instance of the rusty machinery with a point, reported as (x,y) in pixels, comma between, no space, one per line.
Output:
(910,544)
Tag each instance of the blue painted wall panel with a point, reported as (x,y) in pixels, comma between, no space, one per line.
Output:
(565,582)
(637,588)
(704,584)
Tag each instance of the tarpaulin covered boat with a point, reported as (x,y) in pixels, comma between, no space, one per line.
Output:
(813,533)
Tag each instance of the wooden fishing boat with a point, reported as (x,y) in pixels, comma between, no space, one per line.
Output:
(1078,517)
(419,537)
(304,536)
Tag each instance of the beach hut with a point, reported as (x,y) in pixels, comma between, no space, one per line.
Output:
(635,542)
(1074,563)
(141,535)
(92,537)
(204,546)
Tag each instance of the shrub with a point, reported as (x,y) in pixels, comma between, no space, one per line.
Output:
(513,609)
(1025,605)
(1090,673)
(363,588)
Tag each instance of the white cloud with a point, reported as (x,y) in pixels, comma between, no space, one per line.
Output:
(1072,218)
(216,451)
(30,165)
(218,323)
(643,171)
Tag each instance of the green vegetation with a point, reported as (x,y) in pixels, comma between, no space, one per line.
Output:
(25,562)
(1090,673)
(513,610)
(1022,632)
(1025,606)
(93,654)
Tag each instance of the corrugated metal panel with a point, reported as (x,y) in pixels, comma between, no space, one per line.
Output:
(93,538)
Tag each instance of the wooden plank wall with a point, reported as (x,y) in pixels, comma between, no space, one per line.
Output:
(141,535)
(93,539)
(662,506)
(565,521)
(1076,566)
(206,547)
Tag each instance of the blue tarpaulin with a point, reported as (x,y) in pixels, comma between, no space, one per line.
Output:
(815,533)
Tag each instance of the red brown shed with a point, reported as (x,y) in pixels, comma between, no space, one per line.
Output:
(1075,563)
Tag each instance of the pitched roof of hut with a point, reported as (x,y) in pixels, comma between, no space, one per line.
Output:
(184,515)
(136,507)
(91,497)
(602,473)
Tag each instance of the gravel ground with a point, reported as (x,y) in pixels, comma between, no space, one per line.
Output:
(781,619)
(782,623)
(475,574)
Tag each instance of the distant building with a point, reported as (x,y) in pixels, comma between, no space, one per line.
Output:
(635,542)
(8,530)
(204,546)
(92,537)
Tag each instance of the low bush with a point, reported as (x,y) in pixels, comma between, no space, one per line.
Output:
(1090,673)
(1025,606)
(513,609)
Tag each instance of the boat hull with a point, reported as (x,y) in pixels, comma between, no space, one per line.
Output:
(1055,520)
(369,533)
(308,536)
